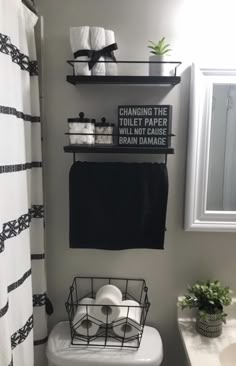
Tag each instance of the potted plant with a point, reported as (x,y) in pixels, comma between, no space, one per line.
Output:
(159,51)
(209,298)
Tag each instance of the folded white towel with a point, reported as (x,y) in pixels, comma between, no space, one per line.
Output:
(97,42)
(111,68)
(80,40)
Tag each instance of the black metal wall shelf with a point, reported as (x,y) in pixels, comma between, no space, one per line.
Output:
(132,80)
(116,149)
(123,80)
(127,79)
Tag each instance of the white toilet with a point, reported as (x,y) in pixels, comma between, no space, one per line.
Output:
(60,352)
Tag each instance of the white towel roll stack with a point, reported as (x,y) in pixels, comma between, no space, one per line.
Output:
(109,297)
(111,67)
(128,321)
(98,41)
(80,40)
(83,322)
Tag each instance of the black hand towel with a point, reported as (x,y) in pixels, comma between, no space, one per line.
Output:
(118,205)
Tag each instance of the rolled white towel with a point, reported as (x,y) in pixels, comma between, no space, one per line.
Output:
(80,40)
(97,42)
(111,67)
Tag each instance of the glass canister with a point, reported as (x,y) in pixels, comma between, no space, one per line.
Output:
(81,130)
(104,132)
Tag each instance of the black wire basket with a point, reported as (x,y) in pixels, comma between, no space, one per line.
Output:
(106,334)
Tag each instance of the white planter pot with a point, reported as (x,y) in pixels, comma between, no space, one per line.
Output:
(159,69)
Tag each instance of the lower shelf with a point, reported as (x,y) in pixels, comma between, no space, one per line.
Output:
(116,149)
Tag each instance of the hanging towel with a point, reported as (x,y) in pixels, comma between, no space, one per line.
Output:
(111,67)
(118,205)
(79,40)
(97,41)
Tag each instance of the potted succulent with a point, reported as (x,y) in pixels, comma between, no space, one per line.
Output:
(159,50)
(209,298)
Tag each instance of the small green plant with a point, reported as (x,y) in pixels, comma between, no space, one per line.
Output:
(209,297)
(159,48)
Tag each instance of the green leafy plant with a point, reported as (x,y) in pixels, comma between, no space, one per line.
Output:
(159,48)
(209,297)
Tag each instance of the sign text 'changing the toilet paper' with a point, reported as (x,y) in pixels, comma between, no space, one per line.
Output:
(144,125)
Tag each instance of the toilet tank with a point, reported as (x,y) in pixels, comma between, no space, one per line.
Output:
(60,352)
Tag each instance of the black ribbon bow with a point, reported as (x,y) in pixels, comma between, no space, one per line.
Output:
(94,56)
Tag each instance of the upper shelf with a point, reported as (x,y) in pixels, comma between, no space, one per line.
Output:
(134,80)
(127,79)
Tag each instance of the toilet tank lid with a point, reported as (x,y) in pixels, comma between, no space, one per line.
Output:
(60,351)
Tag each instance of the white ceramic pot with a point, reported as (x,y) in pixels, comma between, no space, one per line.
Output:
(159,69)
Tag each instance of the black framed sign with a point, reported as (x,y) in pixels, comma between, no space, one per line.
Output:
(144,125)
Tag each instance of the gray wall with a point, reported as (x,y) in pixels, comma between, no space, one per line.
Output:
(187,256)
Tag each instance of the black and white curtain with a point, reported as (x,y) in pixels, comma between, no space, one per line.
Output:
(23,326)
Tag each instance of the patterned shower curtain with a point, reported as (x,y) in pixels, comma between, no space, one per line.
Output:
(23,327)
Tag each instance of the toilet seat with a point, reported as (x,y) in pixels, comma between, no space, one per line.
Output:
(60,352)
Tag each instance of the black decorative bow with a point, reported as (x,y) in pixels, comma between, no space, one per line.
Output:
(94,56)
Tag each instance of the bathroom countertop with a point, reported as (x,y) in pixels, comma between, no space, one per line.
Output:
(202,351)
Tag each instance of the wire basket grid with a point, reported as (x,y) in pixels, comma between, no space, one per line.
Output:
(86,287)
